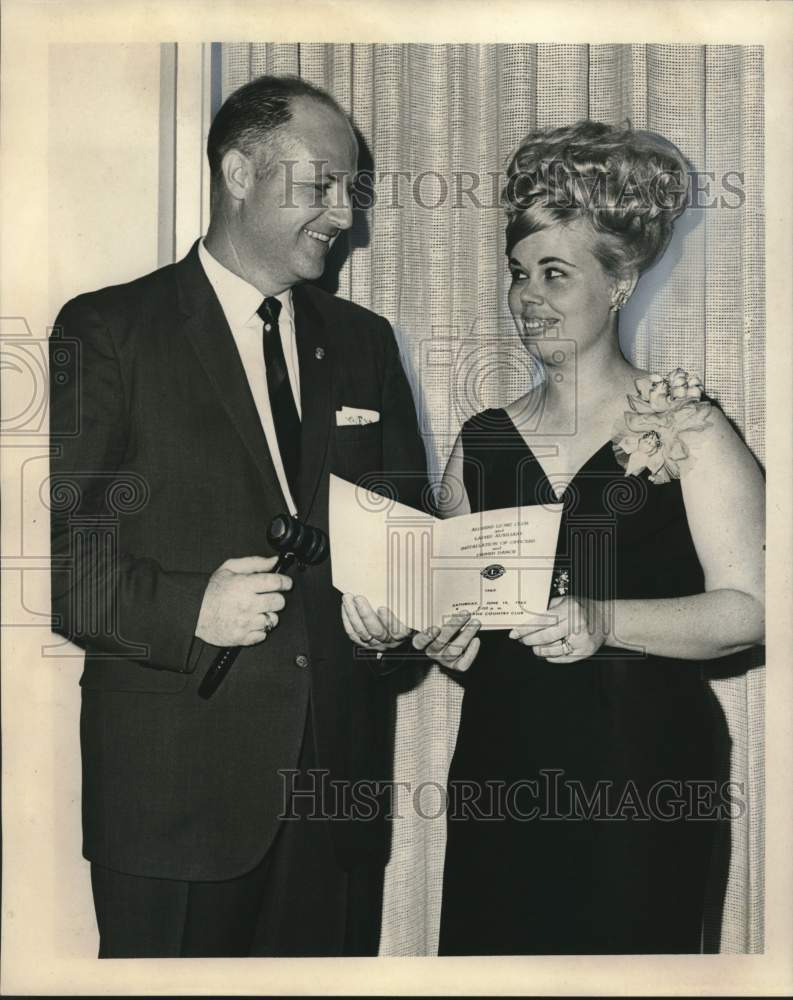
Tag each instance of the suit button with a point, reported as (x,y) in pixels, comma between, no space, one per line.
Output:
(301,661)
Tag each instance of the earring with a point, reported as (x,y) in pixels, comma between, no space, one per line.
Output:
(619,301)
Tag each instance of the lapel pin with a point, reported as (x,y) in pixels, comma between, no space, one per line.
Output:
(319,353)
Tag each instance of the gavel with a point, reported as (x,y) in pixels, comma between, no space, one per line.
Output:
(292,540)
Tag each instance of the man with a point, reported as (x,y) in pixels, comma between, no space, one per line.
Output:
(211,397)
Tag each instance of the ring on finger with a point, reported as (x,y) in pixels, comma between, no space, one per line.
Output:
(567,649)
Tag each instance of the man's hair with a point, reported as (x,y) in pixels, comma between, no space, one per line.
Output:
(251,119)
(629,185)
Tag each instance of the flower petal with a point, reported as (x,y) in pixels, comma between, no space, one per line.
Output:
(639,405)
(692,416)
(660,477)
(675,450)
(629,443)
(640,423)
(659,394)
(636,463)
(635,422)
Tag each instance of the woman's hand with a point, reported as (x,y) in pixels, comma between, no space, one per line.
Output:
(368,629)
(574,634)
(453,646)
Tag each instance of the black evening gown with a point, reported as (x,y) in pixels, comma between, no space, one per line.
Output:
(582,815)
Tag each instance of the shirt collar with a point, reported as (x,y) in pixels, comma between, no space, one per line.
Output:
(238,297)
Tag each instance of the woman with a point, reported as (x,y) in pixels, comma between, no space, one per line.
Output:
(588,744)
(584,791)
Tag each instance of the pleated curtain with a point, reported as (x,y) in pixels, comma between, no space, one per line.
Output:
(439,122)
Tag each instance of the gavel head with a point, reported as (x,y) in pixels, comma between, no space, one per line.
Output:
(315,548)
(286,534)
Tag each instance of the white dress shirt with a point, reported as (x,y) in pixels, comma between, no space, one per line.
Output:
(239,301)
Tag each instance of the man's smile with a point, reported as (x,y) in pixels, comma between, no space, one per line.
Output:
(322,237)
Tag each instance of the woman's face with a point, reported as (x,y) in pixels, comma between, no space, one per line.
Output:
(559,288)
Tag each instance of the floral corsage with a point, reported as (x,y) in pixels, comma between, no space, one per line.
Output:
(649,438)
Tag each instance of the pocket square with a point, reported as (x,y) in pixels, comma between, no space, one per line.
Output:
(352,416)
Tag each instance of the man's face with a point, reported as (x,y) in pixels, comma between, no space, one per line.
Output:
(294,211)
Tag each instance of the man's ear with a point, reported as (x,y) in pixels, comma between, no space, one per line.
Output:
(238,173)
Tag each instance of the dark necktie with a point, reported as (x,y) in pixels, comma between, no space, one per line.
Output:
(282,402)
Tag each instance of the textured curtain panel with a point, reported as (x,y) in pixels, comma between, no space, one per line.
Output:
(439,122)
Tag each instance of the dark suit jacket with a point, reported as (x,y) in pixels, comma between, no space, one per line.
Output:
(167,476)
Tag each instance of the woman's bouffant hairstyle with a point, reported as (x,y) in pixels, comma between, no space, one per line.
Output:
(630,185)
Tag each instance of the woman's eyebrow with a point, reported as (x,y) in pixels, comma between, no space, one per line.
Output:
(513,262)
(551,260)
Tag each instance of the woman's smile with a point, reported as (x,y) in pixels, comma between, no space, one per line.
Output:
(534,325)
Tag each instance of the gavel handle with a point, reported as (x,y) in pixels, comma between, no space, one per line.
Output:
(222,663)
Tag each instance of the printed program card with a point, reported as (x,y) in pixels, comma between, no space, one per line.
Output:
(495,564)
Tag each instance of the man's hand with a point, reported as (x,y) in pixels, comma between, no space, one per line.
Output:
(242,601)
(378,631)
(453,646)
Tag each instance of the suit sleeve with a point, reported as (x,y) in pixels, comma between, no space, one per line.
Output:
(404,456)
(404,459)
(103,598)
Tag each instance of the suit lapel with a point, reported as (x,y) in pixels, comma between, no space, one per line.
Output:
(315,360)
(205,327)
